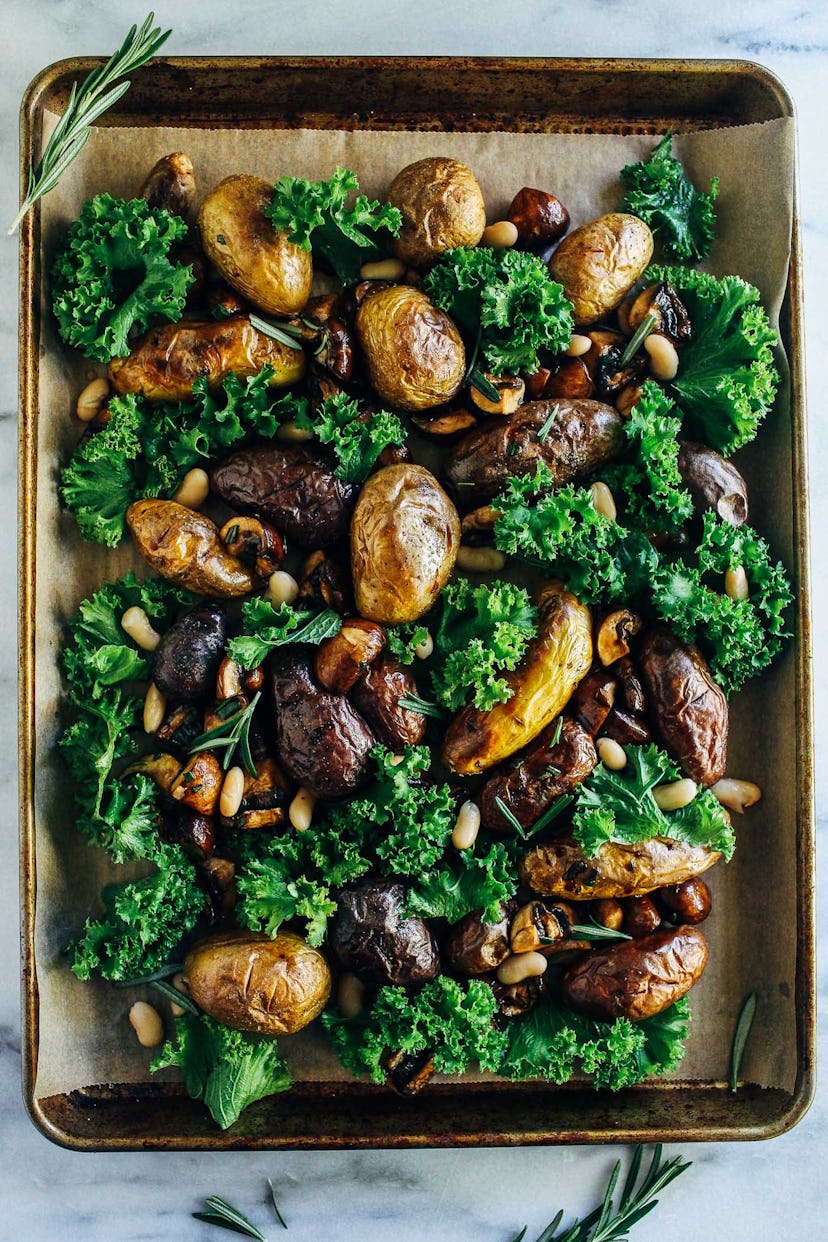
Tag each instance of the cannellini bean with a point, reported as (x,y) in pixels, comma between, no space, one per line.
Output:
(676,794)
(424,649)
(520,966)
(291,434)
(578,346)
(193,489)
(147,1025)
(91,400)
(180,985)
(664,359)
(736,583)
(611,754)
(603,501)
(736,795)
(155,709)
(500,236)
(136,624)
(350,995)
(480,560)
(282,588)
(383,269)
(300,811)
(466,827)
(232,792)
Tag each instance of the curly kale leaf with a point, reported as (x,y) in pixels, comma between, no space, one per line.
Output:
(355,439)
(272,891)
(660,193)
(114,275)
(475,879)
(646,482)
(404,639)
(507,300)
(227,1069)
(264,628)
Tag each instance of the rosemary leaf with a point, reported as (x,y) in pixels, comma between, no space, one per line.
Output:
(276,331)
(413,703)
(510,817)
(231,734)
(550,814)
(279,1215)
(546,426)
(225,1215)
(174,996)
(740,1038)
(596,931)
(642,331)
(163,972)
(484,386)
(556,736)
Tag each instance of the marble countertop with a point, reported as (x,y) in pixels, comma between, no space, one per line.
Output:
(741,1193)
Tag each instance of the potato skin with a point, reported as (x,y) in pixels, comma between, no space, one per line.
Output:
(688,708)
(341,660)
(713,482)
(583,435)
(550,770)
(184,547)
(405,533)
(291,487)
(376,696)
(186,661)
(252,983)
(554,663)
(442,207)
(413,351)
(166,362)
(474,947)
(252,256)
(600,262)
(559,869)
(637,979)
(370,936)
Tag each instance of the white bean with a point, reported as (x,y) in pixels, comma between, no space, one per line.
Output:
(664,360)
(603,501)
(578,346)
(520,966)
(736,795)
(611,754)
(232,792)
(290,433)
(136,624)
(736,583)
(424,649)
(91,400)
(500,236)
(350,995)
(383,269)
(193,489)
(180,985)
(480,560)
(282,588)
(466,827)
(155,709)
(676,794)
(300,811)
(147,1025)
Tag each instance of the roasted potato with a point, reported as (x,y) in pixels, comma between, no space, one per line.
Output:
(291,487)
(600,262)
(321,742)
(184,546)
(713,482)
(474,947)
(583,435)
(370,937)
(688,708)
(554,663)
(551,769)
(186,660)
(441,206)
(252,983)
(405,534)
(377,695)
(560,869)
(341,660)
(166,362)
(252,256)
(414,353)
(638,978)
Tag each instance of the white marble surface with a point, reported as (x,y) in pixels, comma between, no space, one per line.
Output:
(741,1193)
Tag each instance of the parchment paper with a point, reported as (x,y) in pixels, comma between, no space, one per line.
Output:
(85,1038)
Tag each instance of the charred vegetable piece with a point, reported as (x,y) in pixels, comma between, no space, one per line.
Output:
(322,584)
(560,868)
(371,937)
(171,184)
(340,661)
(193,832)
(689,709)
(184,547)
(593,700)
(638,978)
(713,482)
(187,659)
(255,543)
(689,902)
(198,784)
(414,353)
(539,217)
(662,301)
(377,695)
(474,947)
(565,754)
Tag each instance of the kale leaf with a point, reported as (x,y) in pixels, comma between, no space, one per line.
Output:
(645,481)
(264,628)
(660,193)
(356,439)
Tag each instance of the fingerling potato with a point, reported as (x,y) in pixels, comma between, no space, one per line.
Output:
(560,868)
(413,351)
(184,547)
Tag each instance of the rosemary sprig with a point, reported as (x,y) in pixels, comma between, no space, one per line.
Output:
(225,1216)
(510,817)
(643,330)
(597,931)
(174,996)
(484,386)
(550,813)
(413,703)
(740,1038)
(546,426)
(279,1215)
(232,734)
(279,332)
(163,972)
(87,102)
(556,736)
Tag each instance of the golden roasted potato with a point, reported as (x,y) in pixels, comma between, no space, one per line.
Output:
(554,663)
(252,256)
(405,533)
(184,546)
(166,362)
(252,983)
(600,262)
(560,869)
(442,207)
(413,351)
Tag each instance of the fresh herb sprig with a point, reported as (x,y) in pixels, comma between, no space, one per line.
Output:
(231,735)
(87,101)
(741,1034)
(597,931)
(225,1216)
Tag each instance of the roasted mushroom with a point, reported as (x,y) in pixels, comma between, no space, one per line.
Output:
(255,543)
(474,947)
(186,660)
(341,660)
(171,184)
(539,217)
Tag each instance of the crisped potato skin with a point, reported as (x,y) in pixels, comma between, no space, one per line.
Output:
(583,435)
(689,709)
(184,547)
(554,663)
(559,869)
(638,978)
(442,207)
(167,361)
(548,771)
(252,983)
(257,260)
(600,262)
(413,351)
(405,533)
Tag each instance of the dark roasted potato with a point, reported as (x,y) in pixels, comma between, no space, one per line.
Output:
(164,364)
(290,486)
(341,660)
(171,184)
(687,706)
(377,695)
(559,869)
(549,770)
(713,482)
(689,902)
(186,660)
(321,742)
(638,978)
(370,937)
(441,206)
(583,435)
(252,983)
(413,351)
(474,947)
(184,546)
(600,262)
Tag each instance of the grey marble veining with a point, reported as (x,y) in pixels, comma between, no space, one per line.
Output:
(734,1193)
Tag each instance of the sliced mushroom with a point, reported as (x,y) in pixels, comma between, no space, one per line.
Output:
(341,660)
(516,999)
(265,801)
(626,729)
(453,423)
(195,833)
(218,879)
(593,700)
(661,300)
(255,543)
(631,688)
(161,768)
(229,680)
(408,1072)
(536,927)
(321,584)
(614,634)
(198,784)
(510,388)
(180,727)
